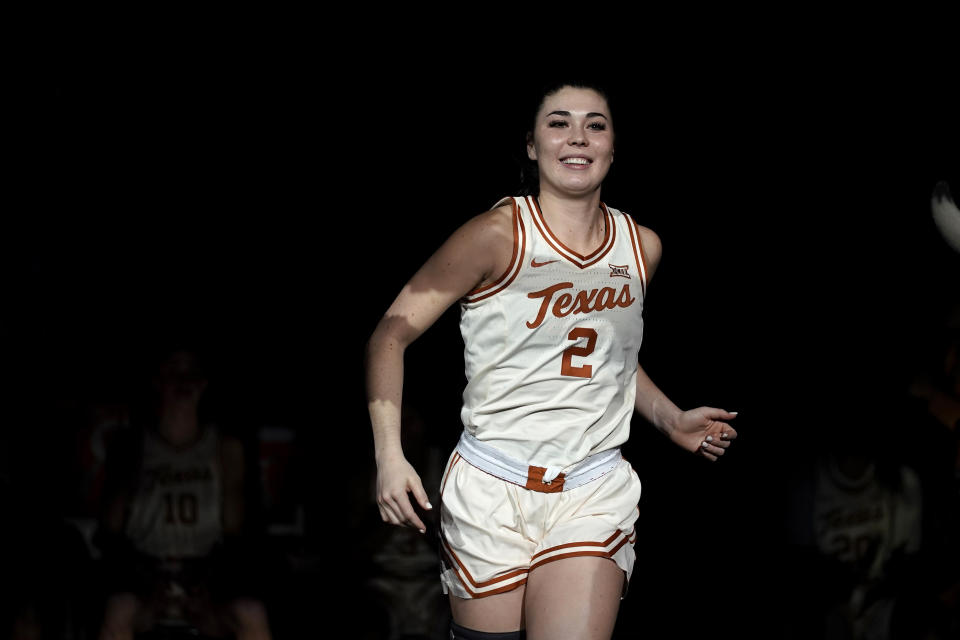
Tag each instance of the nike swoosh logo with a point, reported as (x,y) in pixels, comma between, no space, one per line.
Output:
(534,263)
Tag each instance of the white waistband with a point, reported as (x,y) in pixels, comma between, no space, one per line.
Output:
(499,464)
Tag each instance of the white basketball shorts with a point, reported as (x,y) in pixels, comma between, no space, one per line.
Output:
(494,532)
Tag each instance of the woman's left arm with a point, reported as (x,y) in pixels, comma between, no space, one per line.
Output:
(701,430)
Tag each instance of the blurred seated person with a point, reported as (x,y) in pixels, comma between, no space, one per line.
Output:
(172,520)
(863,555)
(867,518)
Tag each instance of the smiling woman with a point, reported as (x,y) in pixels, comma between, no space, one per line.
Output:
(596,127)
(551,285)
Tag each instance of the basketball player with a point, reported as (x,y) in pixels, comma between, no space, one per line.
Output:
(185,505)
(866,519)
(537,503)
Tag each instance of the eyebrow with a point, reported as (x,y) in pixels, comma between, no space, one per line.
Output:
(592,114)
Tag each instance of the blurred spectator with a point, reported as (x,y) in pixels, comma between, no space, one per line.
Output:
(104,420)
(859,566)
(874,516)
(172,523)
(867,522)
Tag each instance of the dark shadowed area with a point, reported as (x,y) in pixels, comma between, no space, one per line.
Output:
(265,206)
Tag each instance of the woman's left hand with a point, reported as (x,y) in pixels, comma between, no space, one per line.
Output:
(703,431)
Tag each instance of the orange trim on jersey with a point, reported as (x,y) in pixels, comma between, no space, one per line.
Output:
(453,463)
(638,252)
(581,261)
(516,261)
(513,258)
(579,544)
(643,256)
(606,234)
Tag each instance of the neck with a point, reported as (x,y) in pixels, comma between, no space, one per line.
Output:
(578,221)
(178,424)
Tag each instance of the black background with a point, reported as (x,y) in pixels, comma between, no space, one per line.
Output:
(268,198)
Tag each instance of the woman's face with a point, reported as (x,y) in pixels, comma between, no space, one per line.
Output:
(572,141)
(180,379)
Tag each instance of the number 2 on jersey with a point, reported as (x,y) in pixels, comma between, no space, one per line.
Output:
(586,370)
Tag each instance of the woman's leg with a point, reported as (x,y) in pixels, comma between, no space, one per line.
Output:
(574,598)
(492,614)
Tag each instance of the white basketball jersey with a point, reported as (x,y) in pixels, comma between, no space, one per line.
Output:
(176,511)
(551,347)
(861,522)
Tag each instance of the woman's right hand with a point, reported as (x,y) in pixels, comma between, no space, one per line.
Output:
(395,478)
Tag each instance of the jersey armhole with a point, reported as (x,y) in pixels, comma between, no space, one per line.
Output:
(638,253)
(516,260)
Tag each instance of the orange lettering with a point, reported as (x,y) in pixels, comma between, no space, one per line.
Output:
(547,295)
(606,299)
(583,302)
(560,306)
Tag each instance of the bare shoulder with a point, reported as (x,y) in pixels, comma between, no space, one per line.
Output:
(652,248)
(500,239)
(650,241)
(492,227)
(474,255)
(485,242)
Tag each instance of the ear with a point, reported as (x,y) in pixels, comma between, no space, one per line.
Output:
(531,150)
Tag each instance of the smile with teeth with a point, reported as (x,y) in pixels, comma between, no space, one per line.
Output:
(575,161)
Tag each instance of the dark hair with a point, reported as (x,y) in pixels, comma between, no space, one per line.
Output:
(529,172)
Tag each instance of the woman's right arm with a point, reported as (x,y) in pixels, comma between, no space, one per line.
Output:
(477,253)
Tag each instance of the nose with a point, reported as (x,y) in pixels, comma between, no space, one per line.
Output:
(577,139)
